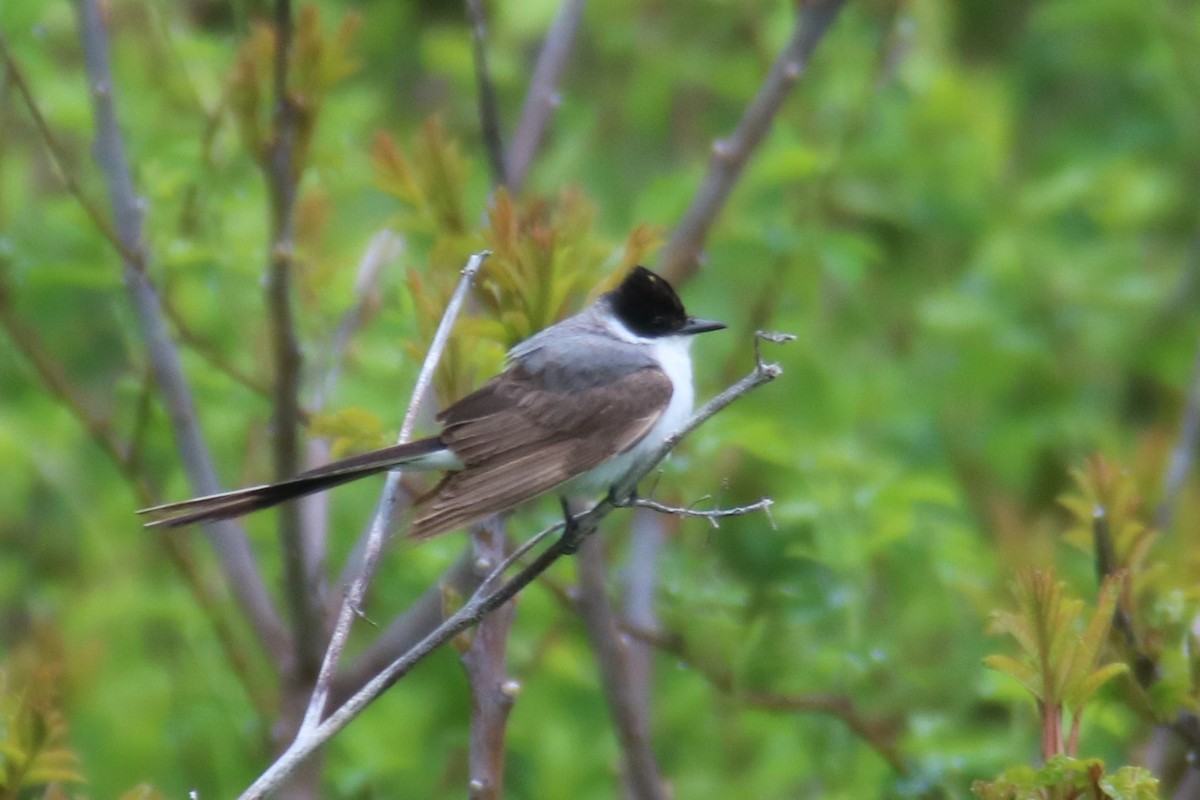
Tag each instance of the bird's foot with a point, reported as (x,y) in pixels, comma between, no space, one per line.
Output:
(572,536)
(622,501)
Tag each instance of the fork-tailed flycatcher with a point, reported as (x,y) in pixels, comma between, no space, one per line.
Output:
(578,407)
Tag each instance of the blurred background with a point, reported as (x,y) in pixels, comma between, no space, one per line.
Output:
(980,220)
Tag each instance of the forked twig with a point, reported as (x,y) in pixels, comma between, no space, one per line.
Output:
(385,511)
(712,515)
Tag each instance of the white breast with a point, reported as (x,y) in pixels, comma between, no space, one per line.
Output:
(672,355)
(676,360)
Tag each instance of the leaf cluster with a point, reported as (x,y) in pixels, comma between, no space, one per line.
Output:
(1060,664)
(1066,778)
(320,60)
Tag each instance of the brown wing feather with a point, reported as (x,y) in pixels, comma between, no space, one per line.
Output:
(519,440)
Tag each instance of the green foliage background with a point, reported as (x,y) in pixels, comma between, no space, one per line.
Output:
(978,219)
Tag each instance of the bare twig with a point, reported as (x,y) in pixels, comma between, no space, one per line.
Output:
(385,246)
(59,157)
(227,538)
(102,223)
(125,459)
(382,521)
(282,170)
(55,379)
(680,257)
(485,600)
(712,515)
(423,615)
(647,534)
(881,735)
(630,719)
(489,109)
(492,690)
(404,632)
(209,353)
(624,683)
(542,97)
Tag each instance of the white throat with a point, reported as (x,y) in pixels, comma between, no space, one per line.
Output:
(673,356)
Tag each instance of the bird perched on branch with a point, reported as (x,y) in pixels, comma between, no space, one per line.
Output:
(578,407)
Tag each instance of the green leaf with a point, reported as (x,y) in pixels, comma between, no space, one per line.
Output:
(1021,671)
(1089,685)
(1131,783)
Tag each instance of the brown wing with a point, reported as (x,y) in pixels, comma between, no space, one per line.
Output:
(518,439)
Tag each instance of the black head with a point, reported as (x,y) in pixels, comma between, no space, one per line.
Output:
(649,307)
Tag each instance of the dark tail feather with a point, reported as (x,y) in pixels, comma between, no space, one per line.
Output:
(253,498)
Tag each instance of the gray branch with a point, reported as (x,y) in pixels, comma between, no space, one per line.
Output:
(647,534)
(631,719)
(227,539)
(385,512)
(712,515)
(542,97)
(384,247)
(680,257)
(485,661)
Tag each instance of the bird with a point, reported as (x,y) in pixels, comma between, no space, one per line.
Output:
(579,406)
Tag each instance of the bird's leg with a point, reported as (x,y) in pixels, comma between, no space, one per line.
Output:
(571,537)
(618,501)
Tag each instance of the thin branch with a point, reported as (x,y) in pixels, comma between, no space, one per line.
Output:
(384,513)
(542,97)
(125,459)
(55,379)
(385,246)
(647,534)
(1182,453)
(492,690)
(227,539)
(282,172)
(630,719)
(680,258)
(59,157)
(712,515)
(460,579)
(625,666)
(880,734)
(102,223)
(404,632)
(489,109)
(485,600)
(205,349)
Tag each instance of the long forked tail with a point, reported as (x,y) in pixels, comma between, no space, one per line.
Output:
(424,453)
